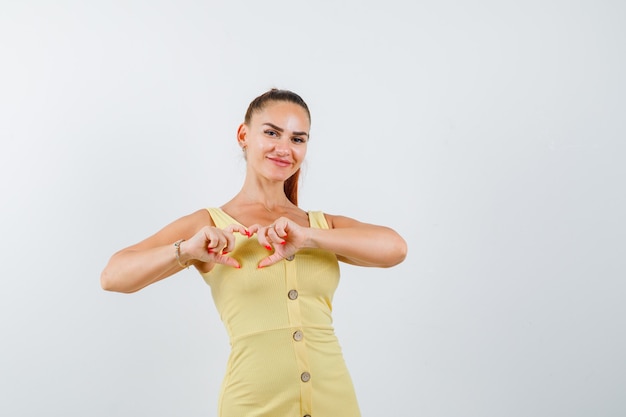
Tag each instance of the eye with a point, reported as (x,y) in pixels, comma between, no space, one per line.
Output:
(298,139)
(270,132)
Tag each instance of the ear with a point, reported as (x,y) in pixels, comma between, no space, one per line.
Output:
(242,134)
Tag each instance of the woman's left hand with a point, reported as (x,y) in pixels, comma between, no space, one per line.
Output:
(285,236)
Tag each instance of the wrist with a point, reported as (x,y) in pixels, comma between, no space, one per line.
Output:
(310,240)
(181,258)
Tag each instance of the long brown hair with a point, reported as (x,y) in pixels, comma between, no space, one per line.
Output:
(291,184)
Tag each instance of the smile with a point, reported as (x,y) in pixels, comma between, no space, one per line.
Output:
(280,162)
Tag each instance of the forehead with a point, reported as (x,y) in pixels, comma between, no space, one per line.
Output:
(283,114)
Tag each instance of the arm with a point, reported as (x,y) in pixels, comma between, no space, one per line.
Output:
(154,258)
(353,242)
(359,243)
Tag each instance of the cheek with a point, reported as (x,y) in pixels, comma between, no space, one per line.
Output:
(300,153)
(261,147)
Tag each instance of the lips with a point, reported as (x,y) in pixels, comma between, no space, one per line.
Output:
(280,162)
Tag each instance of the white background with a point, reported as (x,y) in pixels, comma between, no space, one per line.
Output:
(490,134)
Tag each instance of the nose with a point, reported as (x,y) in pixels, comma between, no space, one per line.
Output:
(282,148)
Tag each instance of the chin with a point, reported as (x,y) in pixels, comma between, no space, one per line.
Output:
(280,176)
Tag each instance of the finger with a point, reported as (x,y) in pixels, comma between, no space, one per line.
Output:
(270,260)
(263,240)
(227,260)
(230,244)
(238,228)
(273,236)
(216,243)
(253,229)
(229,237)
(280,227)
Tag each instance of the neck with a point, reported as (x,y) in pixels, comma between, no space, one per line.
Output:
(271,197)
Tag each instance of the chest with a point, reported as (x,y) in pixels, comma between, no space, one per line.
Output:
(249,215)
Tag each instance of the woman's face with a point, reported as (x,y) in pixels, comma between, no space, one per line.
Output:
(276,140)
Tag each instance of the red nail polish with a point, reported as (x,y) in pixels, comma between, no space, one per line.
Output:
(259,267)
(268,247)
(210,250)
(283,242)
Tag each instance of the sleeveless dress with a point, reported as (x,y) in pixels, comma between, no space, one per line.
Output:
(285,359)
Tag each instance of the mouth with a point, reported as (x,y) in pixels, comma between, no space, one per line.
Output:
(280,162)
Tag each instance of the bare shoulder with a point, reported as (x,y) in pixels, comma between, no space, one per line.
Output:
(191,223)
(201,216)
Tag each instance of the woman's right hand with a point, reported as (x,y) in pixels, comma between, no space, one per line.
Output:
(154,258)
(212,245)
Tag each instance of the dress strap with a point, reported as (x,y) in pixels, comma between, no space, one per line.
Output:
(318,220)
(220,218)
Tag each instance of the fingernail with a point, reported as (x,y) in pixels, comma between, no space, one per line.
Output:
(283,242)
(268,247)
(259,267)
(238,267)
(210,250)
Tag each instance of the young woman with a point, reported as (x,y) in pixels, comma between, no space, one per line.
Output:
(272,268)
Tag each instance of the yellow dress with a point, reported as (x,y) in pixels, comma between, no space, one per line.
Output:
(285,359)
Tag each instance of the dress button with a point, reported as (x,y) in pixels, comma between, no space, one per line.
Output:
(293,294)
(290,258)
(298,335)
(305,377)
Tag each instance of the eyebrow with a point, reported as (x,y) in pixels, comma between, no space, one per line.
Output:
(280,129)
